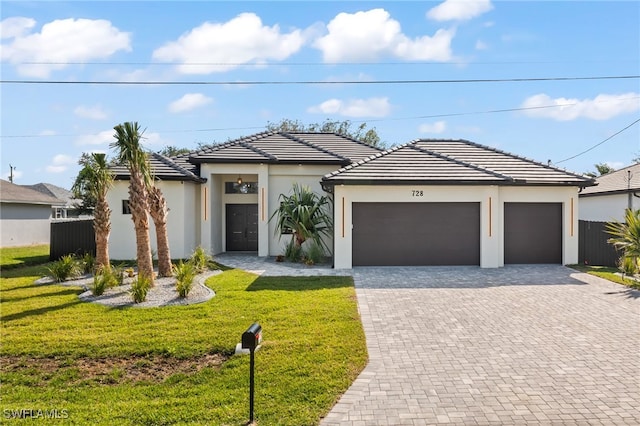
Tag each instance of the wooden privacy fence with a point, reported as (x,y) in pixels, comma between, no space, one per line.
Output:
(593,246)
(72,237)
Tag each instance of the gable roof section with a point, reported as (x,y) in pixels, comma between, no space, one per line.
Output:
(287,148)
(163,168)
(451,162)
(18,194)
(620,181)
(55,191)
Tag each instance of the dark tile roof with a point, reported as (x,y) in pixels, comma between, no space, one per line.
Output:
(619,181)
(12,193)
(164,168)
(455,162)
(287,148)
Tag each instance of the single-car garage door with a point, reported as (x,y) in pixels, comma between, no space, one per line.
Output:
(532,233)
(412,234)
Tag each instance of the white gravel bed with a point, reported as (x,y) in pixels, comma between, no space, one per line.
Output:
(163,293)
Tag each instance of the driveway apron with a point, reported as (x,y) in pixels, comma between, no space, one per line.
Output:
(514,345)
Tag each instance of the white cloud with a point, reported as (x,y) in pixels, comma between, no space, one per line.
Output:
(154,139)
(367,35)
(15,26)
(103,138)
(372,107)
(224,46)
(602,107)
(48,132)
(59,163)
(437,127)
(481,45)
(459,10)
(94,113)
(188,102)
(60,42)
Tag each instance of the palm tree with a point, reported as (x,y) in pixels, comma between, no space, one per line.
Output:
(305,214)
(158,211)
(130,152)
(95,179)
(626,235)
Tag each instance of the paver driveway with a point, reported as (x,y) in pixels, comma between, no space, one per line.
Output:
(515,345)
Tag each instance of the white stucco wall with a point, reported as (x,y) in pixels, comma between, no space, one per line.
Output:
(183,226)
(273,180)
(491,199)
(24,224)
(606,208)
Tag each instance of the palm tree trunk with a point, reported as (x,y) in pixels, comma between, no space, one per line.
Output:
(102,229)
(159,211)
(139,207)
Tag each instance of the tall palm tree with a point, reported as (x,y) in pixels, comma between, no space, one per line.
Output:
(159,211)
(305,214)
(130,152)
(95,178)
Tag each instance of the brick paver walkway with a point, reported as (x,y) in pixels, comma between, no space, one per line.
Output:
(519,345)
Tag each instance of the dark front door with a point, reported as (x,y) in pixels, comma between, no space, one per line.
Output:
(242,227)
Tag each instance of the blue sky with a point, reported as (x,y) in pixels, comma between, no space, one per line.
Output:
(46,127)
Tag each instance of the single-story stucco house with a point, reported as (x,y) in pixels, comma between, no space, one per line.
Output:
(614,194)
(25,215)
(428,202)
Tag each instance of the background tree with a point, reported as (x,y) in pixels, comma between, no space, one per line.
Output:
(130,153)
(344,128)
(306,215)
(81,192)
(601,169)
(172,151)
(94,181)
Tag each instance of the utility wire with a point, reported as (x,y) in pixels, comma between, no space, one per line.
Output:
(319,82)
(419,117)
(599,143)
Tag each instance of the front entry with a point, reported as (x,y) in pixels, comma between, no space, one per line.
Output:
(242,227)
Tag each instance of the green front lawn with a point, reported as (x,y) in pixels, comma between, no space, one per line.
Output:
(608,273)
(16,257)
(175,365)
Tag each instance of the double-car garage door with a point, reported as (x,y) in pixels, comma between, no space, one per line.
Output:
(406,234)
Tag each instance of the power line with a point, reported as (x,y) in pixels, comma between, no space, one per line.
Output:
(419,117)
(599,143)
(318,82)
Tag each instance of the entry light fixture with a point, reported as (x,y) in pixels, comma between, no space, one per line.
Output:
(239,180)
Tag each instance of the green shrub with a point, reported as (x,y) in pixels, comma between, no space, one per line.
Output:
(88,262)
(314,254)
(184,273)
(139,288)
(65,268)
(628,265)
(105,278)
(293,252)
(200,260)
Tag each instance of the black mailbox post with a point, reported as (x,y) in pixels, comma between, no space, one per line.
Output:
(251,339)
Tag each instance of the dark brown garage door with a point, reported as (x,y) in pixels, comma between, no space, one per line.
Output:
(405,234)
(532,233)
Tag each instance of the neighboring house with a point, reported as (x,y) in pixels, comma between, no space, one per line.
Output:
(68,210)
(453,202)
(616,192)
(25,215)
(428,202)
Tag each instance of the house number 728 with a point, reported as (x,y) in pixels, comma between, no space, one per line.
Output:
(417,193)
